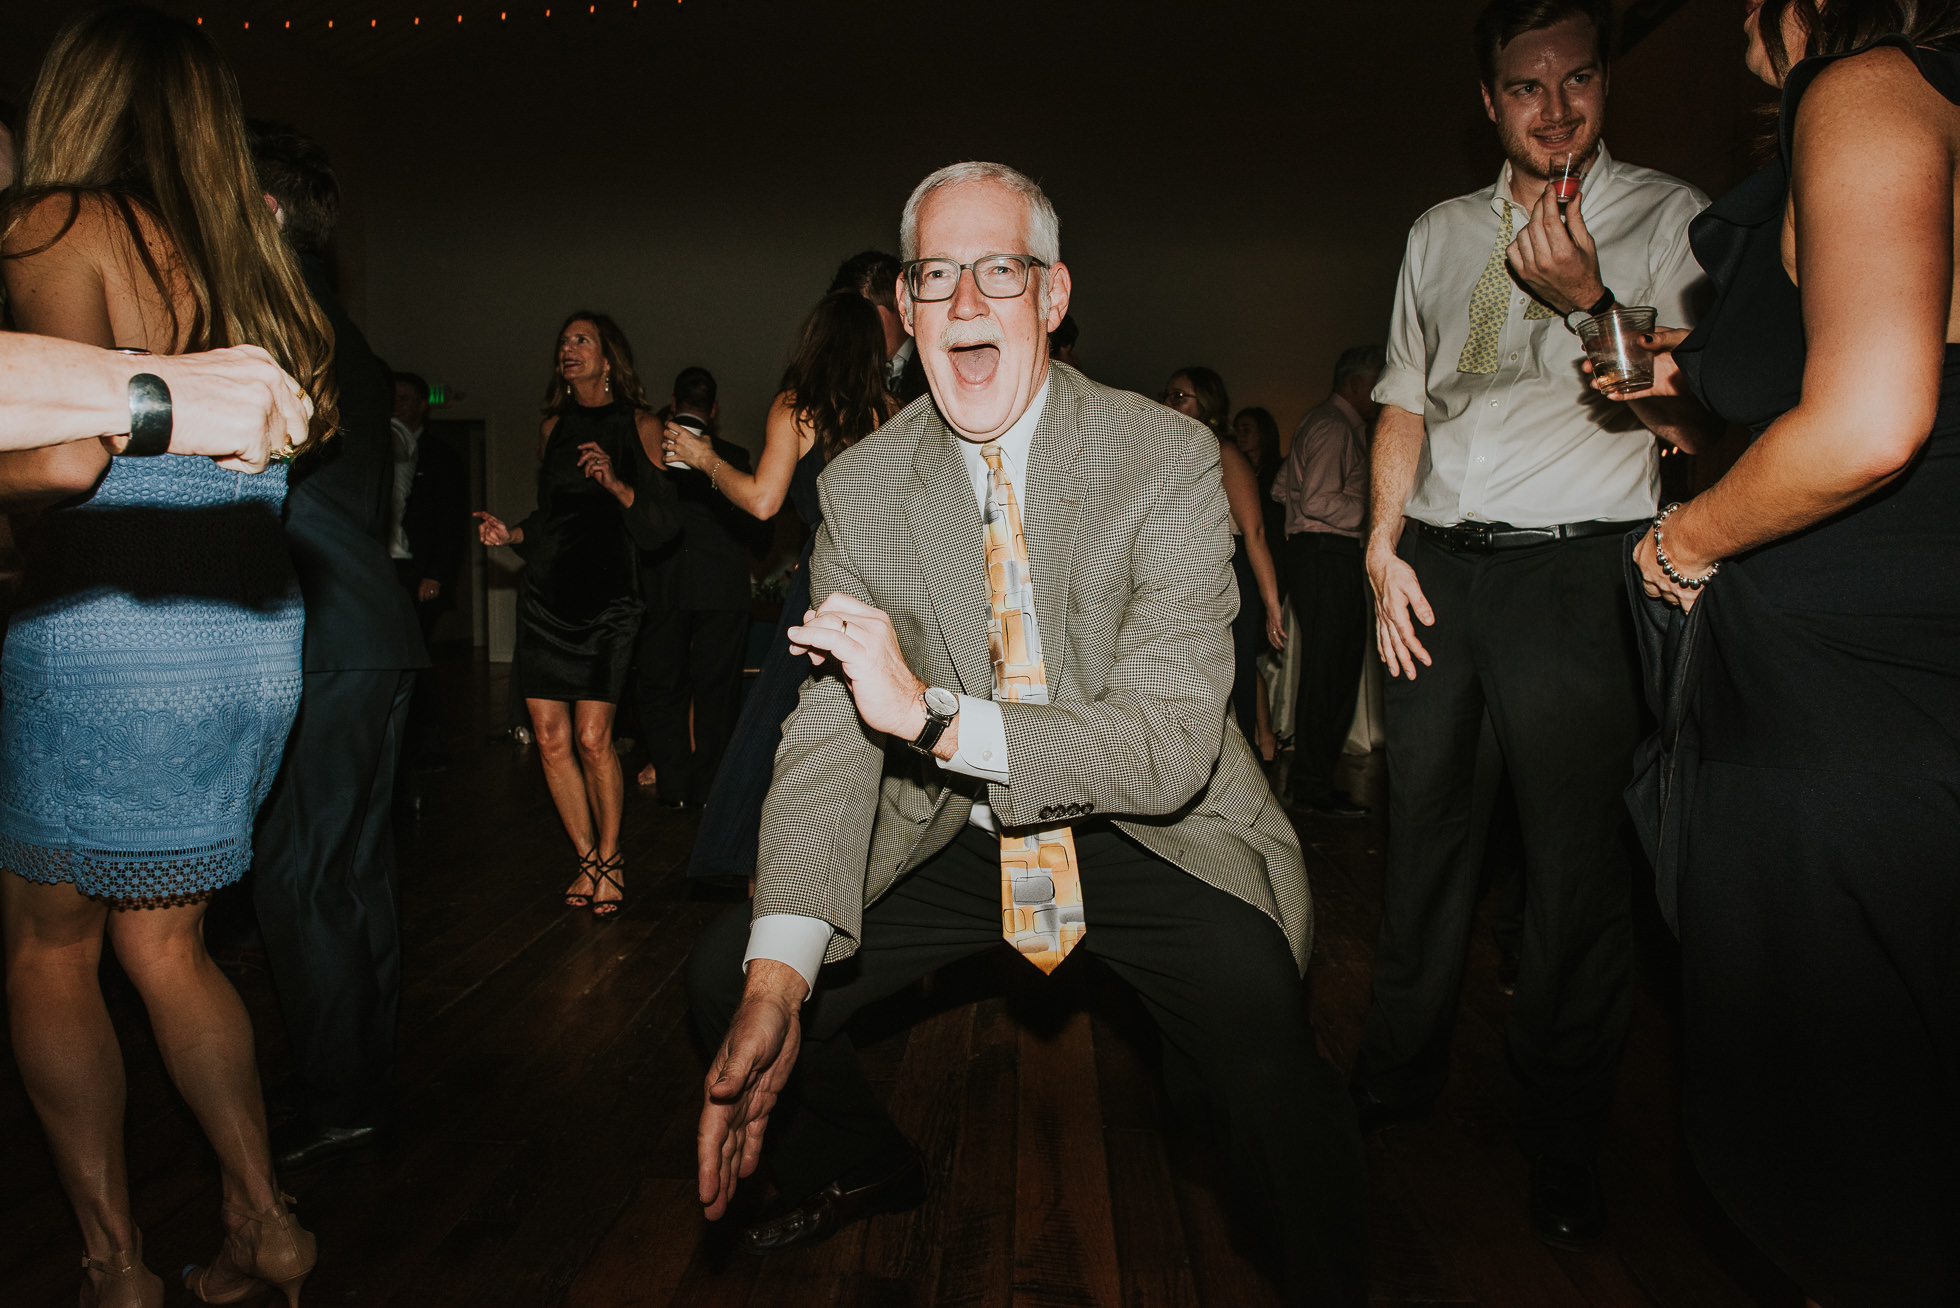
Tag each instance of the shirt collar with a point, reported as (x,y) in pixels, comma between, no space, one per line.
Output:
(1014,444)
(1598,180)
(1348,411)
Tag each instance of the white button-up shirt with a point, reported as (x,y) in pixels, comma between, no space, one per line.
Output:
(1533,444)
(802,941)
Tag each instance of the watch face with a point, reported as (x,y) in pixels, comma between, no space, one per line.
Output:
(943,703)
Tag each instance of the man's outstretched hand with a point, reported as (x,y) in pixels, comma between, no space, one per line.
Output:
(745,1079)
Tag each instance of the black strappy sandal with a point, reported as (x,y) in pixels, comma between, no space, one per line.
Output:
(603,870)
(588,866)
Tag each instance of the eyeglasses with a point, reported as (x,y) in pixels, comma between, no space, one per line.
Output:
(1172,397)
(996,276)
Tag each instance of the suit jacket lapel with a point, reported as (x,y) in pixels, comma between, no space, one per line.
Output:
(1051,514)
(947,534)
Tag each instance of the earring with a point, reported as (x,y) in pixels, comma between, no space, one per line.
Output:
(608,380)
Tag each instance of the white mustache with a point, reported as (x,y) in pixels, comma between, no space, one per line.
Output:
(980,331)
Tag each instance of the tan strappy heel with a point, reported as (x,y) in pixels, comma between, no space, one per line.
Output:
(126,1282)
(270,1251)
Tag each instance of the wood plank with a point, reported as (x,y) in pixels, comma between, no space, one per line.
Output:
(1064,1252)
(1151,1249)
(976,1268)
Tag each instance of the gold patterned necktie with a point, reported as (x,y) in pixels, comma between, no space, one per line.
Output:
(1490,305)
(1040,882)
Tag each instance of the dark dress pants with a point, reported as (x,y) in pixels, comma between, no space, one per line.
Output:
(1539,638)
(1325,581)
(324,888)
(1214,973)
(689,656)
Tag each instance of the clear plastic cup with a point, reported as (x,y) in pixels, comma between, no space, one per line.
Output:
(1621,364)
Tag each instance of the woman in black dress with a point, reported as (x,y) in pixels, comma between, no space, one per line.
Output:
(600,501)
(1819,879)
(1200,393)
(832,395)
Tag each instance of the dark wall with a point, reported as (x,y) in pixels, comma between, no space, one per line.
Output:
(1234,181)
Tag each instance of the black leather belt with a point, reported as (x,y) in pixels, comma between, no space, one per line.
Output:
(1483,537)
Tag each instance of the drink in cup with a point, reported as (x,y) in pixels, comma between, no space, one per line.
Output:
(1621,364)
(1566,170)
(694,425)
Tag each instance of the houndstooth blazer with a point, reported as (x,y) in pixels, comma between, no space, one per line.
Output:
(1132,560)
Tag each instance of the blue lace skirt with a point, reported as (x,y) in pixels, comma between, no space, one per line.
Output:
(148,685)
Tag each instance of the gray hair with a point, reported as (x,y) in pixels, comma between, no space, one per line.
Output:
(1044,228)
(1359,360)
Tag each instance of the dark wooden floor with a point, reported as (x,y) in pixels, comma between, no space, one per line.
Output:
(551,1087)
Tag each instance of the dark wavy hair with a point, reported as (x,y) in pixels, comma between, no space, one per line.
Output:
(835,381)
(1267,464)
(619,353)
(1845,25)
(1214,405)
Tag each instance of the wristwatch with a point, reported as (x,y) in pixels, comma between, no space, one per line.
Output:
(1599,306)
(942,706)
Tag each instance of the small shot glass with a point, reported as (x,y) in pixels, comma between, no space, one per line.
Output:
(1621,363)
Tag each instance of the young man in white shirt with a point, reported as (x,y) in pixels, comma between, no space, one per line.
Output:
(1501,490)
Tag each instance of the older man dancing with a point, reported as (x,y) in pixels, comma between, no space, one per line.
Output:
(1024,744)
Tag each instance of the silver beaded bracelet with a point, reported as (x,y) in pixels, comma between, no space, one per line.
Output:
(1673,574)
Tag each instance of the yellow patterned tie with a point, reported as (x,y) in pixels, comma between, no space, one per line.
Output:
(1040,882)
(1490,305)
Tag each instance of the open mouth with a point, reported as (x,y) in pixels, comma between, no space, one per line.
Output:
(975,364)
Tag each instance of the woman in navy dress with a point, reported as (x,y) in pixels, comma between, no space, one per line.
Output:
(1819,873)
(152,668)
(832,396)
(600,502)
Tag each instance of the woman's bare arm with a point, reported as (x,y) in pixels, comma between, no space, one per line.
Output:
(761,493)
(1242,498)
(1872,200)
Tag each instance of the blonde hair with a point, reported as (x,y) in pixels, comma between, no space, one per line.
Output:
(137,110)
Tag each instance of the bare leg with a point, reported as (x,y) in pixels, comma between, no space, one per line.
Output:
(1267,744)
(205,1038)
(67,1051)
(551,721)
(605,784)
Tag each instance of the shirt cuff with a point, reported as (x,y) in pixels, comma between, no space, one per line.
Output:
(792,940)
(1404,388)
(983,742)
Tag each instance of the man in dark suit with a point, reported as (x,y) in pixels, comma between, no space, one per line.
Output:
(431,513)
(696,589)
(324,875)
(1027,598)
(874,275)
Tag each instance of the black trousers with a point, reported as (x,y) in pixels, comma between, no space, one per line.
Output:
(1540,639)
(1214,973)
(324,888)
(1326,583)
(423,741)
(689,655)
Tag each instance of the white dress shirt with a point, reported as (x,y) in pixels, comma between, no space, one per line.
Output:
(1532,444)
(407,444)
(801,941)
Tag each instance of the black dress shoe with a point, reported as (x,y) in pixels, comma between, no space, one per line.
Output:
(298,1145)
(1339,805)
(1377,1115)
(1567,1210)
(833,1208)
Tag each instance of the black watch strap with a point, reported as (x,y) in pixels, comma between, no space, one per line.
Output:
(1604,302)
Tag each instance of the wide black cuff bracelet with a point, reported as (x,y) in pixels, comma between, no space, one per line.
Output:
(149,416)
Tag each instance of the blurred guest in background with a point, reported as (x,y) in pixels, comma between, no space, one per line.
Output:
(8,117)
(160,612)
(431,509)
(1061,341)
(1256,434)
(874,275)
(696,628)
(324,882)
(1499,497)
(832,396)
(1323,491)
(601,501)
(1200,393)
(1818,902)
